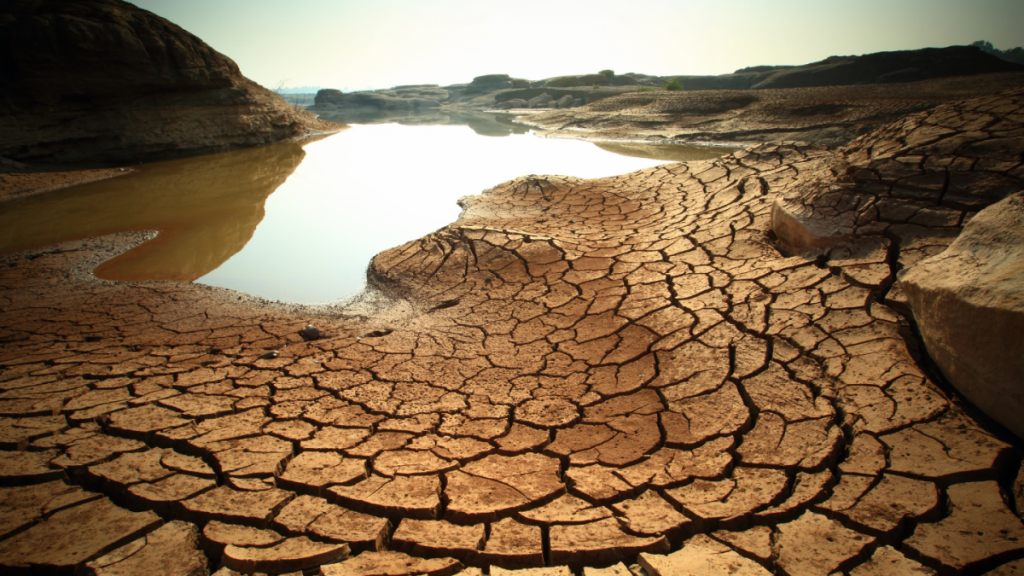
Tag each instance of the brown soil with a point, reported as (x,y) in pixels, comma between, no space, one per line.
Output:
(577,373)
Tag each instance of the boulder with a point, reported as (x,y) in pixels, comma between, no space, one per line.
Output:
(102,81)
(969,306)
(564,101)
(543,101)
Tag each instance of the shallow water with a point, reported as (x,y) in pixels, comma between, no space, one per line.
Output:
(300,223)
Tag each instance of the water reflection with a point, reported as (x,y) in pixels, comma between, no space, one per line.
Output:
(484,124)
(206,209)
(300,223)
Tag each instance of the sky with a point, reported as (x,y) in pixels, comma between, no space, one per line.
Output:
(360,44)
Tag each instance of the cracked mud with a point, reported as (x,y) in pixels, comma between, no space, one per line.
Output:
(580,373)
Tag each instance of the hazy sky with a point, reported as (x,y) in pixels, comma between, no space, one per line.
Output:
(381,43)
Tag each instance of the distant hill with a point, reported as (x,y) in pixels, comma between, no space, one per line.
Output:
(877,68)
(504,92)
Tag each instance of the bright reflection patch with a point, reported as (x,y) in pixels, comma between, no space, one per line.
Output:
(371,188)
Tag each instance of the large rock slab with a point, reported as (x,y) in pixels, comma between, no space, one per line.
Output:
(969,306)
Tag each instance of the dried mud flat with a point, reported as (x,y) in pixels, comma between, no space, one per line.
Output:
(589,374)
(829,115)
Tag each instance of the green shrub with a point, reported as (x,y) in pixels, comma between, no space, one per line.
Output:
(645,89)
(595,85)
(673,85)
(607,73)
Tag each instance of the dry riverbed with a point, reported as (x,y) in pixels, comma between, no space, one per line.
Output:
(577,373)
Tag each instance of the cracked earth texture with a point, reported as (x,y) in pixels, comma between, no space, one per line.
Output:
(579,375)
(829,115)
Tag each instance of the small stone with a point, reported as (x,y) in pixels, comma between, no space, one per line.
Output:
(309,332)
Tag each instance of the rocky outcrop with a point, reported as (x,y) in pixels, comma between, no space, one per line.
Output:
(101,81)
(408,99)
(833,115)
(969,306)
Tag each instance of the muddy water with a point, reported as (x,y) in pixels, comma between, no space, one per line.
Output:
(299,223)
(206,210)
